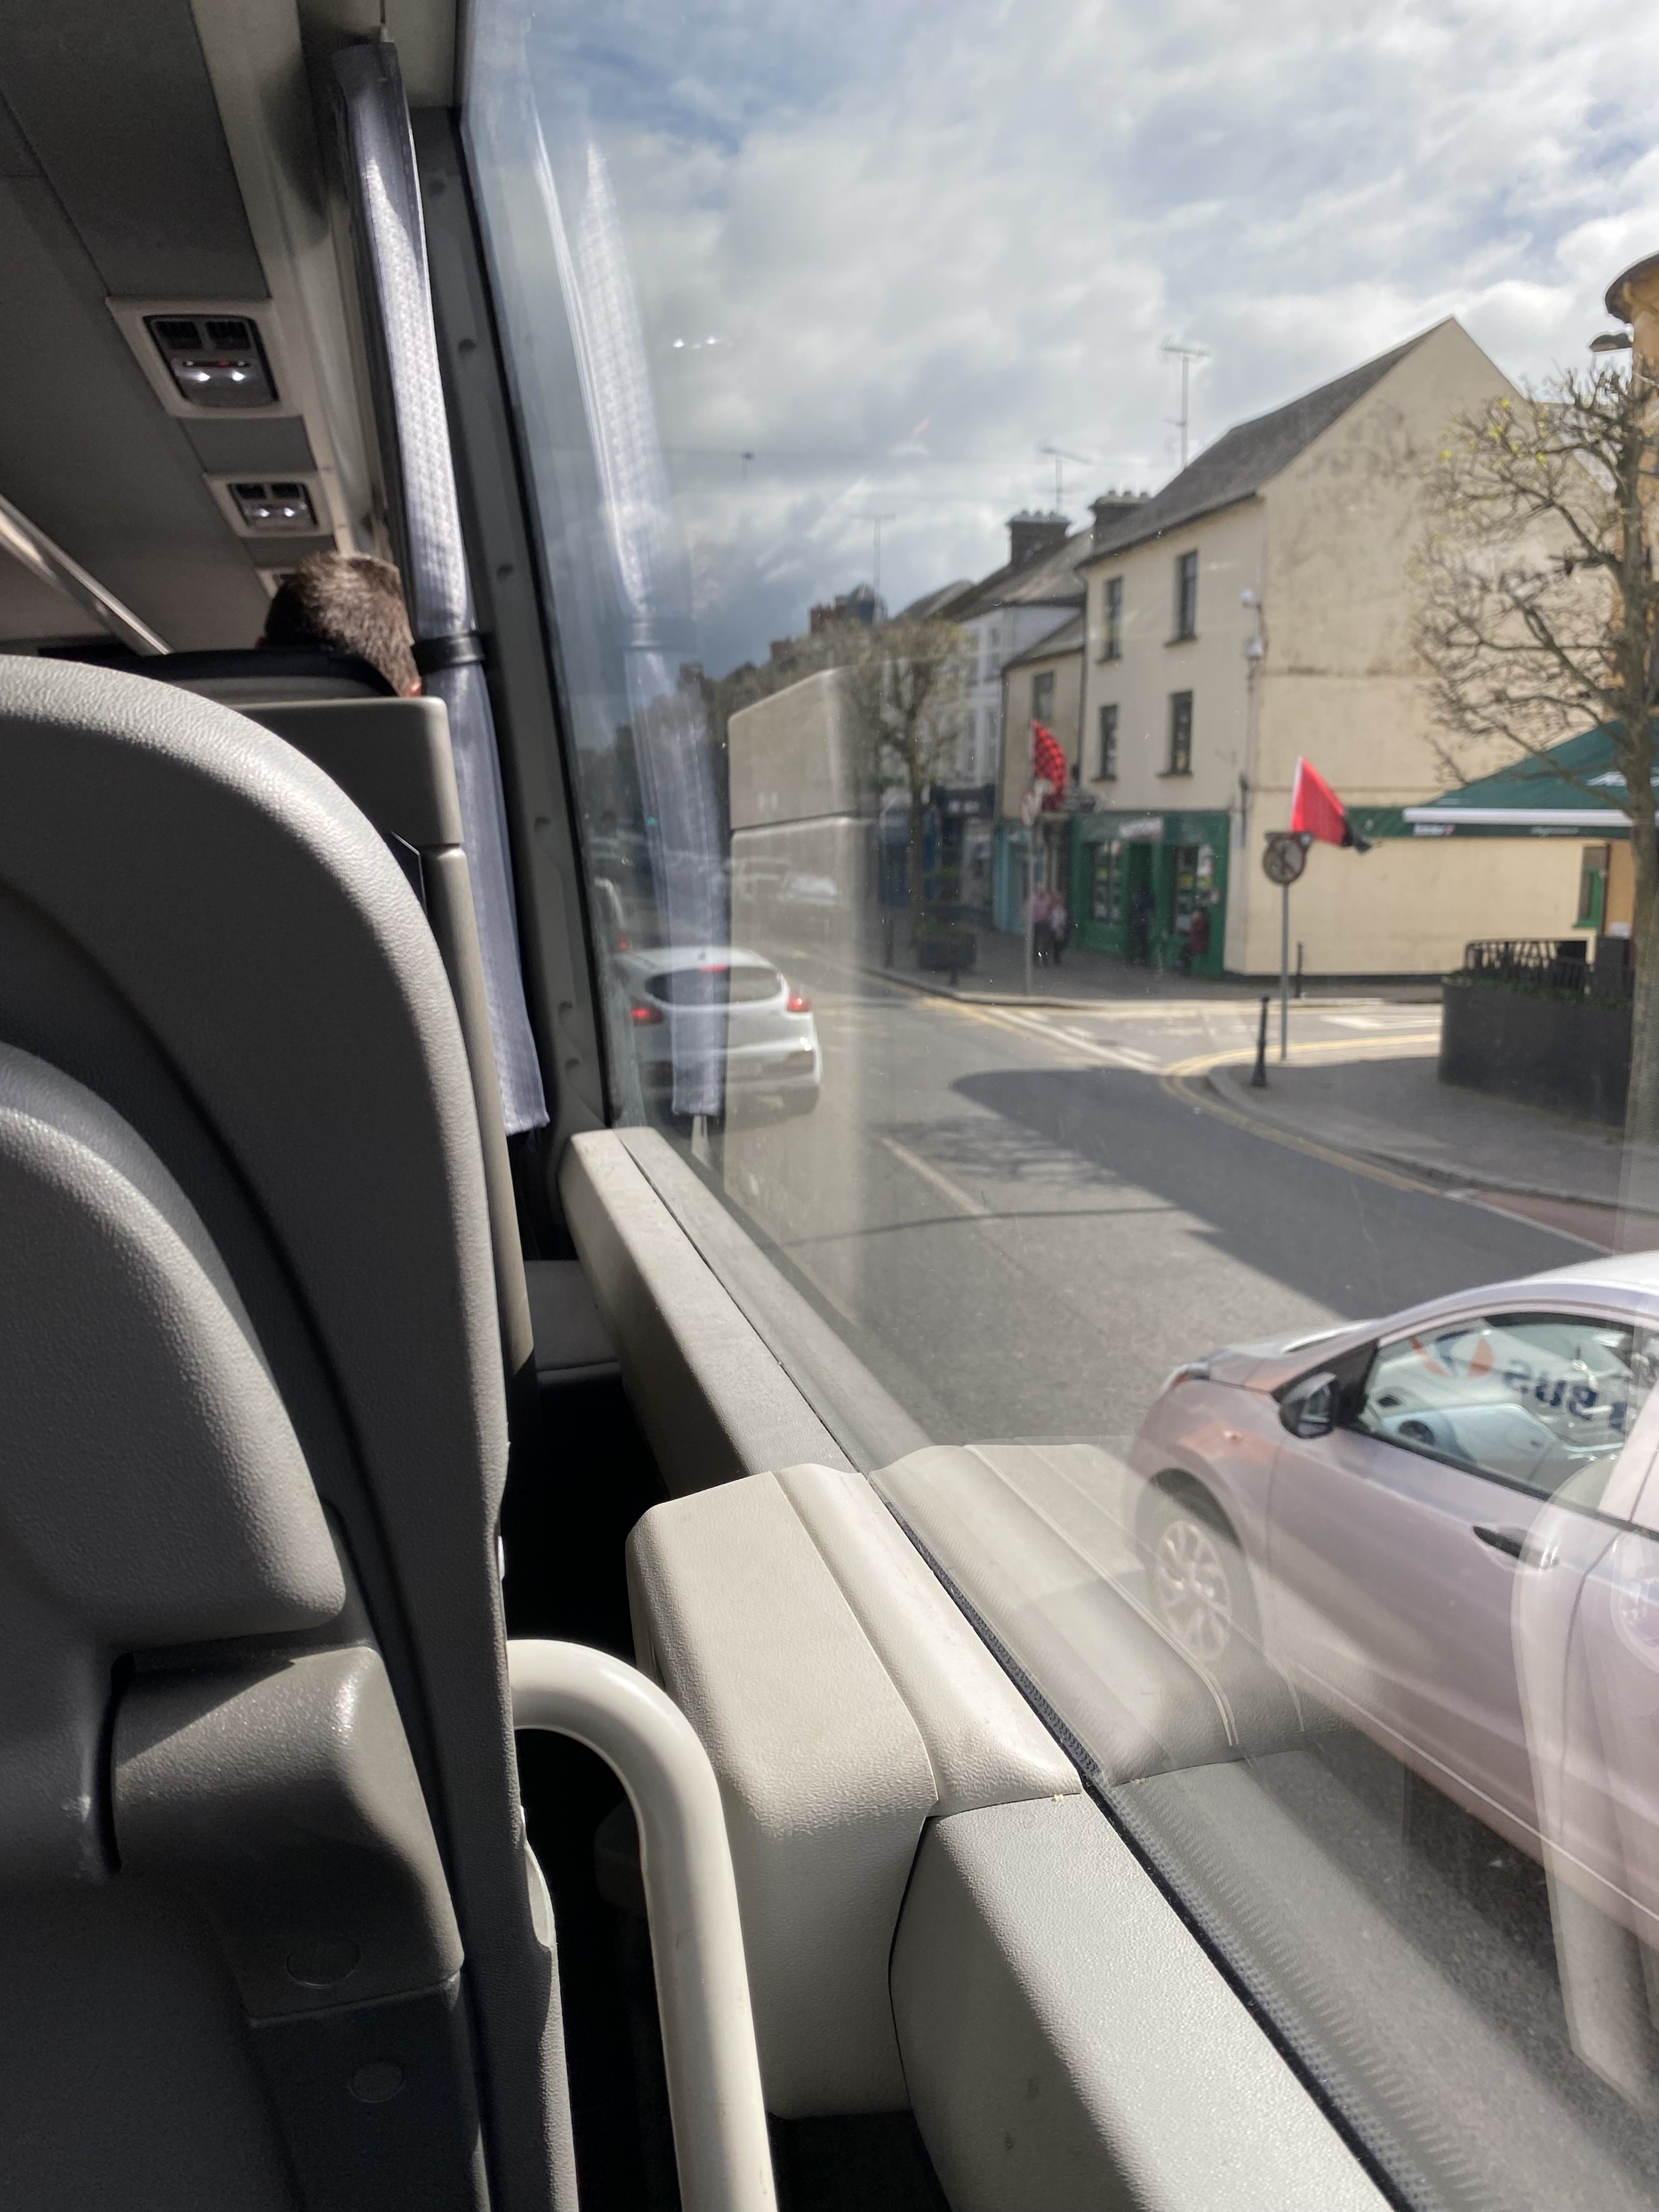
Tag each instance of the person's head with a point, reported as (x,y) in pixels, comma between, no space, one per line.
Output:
(347,603)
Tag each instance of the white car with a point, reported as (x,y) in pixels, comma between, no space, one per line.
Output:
(687,1000)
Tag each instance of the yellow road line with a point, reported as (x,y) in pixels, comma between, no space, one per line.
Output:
(1177,1081)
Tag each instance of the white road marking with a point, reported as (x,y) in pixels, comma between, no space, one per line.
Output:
(952,1193)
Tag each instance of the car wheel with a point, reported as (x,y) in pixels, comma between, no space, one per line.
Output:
(1197,1579)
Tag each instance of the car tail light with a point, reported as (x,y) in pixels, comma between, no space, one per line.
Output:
(799,1003)
(641,1017)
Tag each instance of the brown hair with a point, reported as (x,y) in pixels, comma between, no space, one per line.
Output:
(346,602)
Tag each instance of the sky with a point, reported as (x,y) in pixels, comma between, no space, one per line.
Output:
(891,252)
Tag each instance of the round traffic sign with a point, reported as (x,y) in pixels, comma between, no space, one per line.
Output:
(1283,857)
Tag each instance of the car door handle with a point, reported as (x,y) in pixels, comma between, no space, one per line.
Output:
(1513,1541)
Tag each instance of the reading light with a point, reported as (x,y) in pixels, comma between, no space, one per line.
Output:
(215,361)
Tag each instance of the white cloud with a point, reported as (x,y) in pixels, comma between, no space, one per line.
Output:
(989,215)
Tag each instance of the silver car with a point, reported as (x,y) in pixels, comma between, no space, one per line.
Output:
(697,1003)
(1445,1526)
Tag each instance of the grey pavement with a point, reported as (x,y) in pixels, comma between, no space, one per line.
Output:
(1084,977)
(1397,1112)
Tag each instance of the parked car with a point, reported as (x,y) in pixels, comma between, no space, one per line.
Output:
(686,1002)
(1445,1525)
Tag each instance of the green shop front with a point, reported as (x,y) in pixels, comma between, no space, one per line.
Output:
(1152,887)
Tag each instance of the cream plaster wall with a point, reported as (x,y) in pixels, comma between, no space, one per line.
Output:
(1327,549)
(1213,665)
(1406,907)
(1066,669)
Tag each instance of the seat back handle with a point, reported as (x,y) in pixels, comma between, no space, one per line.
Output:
(714,2099)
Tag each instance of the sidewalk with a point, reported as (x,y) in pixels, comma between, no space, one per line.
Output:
(1395,1112)
(1084,978)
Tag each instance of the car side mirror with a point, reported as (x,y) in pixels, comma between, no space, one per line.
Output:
(1308,1408)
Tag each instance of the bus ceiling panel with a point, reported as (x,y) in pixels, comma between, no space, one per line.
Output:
(90,458)
(32,612)
(116,106)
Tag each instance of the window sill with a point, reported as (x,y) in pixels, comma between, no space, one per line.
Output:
(1186,637)
(1039,1904)
(1174,775)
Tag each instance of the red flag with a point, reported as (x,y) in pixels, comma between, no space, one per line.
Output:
(1049,761)
(1316,812)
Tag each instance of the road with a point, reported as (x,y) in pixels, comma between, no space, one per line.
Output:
(1021,1225)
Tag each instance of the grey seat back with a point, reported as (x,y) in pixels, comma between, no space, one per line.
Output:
(198,927)
(392,757)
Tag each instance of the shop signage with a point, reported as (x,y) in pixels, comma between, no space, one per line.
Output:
(1142,827)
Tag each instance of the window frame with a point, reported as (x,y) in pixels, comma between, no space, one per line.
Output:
(1106,731)
(1186,597)
(1179,757)
(1594,868)
(1111,618)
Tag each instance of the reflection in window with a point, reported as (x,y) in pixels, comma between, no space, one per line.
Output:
(777,402)
(1536,1400)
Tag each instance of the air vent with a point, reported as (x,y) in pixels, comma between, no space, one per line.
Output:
(274,509)
(214,361)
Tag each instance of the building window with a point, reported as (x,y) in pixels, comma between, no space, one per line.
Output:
(1042,699)
(1111,610)
(1187,596)
(1107,770)
(1106,886)
(1180,733)
(1593,888)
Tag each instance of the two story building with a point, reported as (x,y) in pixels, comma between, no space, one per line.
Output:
(1259,606)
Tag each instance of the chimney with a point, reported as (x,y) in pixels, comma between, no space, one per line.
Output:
(1031,534)
(1109,509)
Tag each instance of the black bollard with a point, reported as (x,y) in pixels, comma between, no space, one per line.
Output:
(1259,1075)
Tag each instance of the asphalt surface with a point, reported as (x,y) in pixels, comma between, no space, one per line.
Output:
(1021,1222)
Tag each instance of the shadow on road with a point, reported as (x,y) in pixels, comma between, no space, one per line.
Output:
(1356,1245)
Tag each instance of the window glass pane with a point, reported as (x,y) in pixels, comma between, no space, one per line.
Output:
(1107,767)
(1534,1400)
(1108,1021)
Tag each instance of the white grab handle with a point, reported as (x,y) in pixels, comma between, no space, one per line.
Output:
(714,2099)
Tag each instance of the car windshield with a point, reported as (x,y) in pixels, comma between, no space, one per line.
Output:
(1100,569)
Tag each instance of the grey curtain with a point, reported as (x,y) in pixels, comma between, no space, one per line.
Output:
(426,525)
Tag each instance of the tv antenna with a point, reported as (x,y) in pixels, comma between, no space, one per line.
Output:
(1186,355)
(876,520)
(1059,455)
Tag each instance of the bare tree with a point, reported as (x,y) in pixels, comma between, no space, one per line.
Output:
(1541,615)
(906,683)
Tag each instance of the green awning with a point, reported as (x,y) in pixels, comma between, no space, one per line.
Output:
(1573,788)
